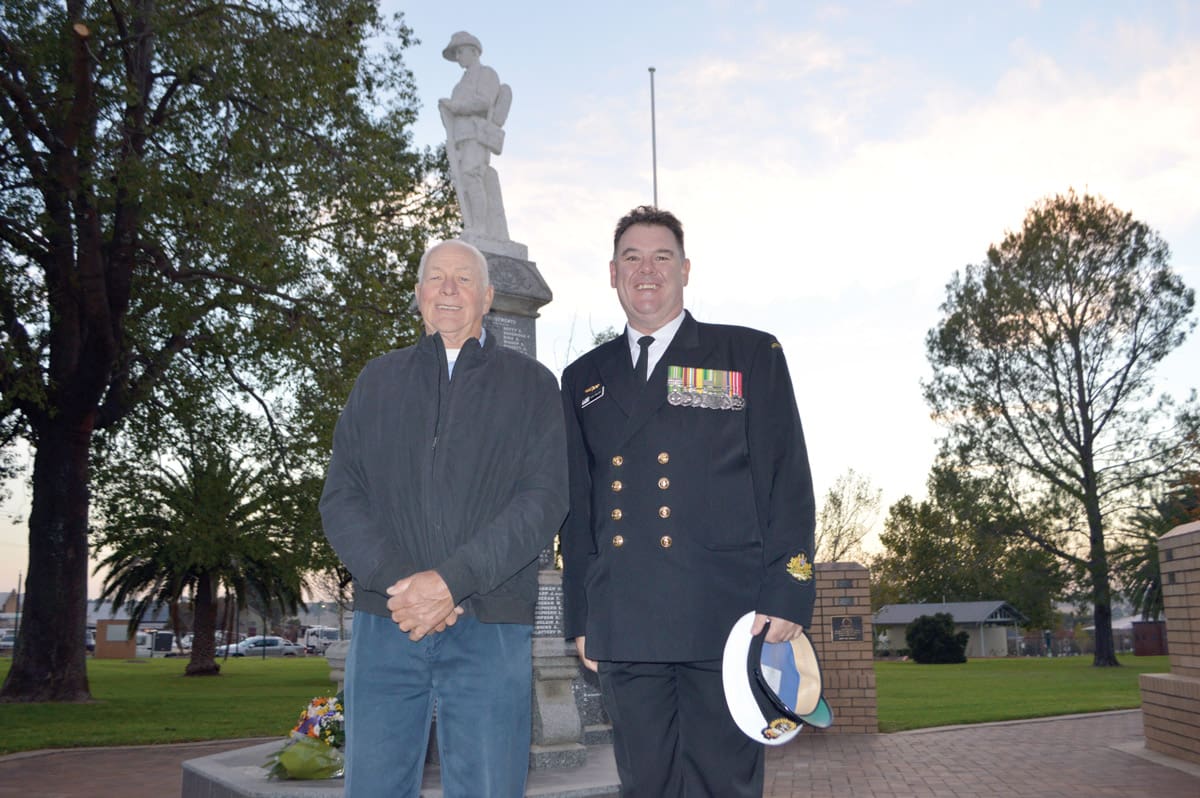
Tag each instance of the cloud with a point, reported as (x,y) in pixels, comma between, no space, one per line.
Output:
(815,215)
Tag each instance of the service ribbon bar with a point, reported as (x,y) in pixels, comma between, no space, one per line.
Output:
(713,389)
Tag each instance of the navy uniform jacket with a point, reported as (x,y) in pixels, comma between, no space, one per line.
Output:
(684,518)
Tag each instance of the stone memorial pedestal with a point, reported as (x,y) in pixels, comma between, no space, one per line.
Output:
(557,728)
(519,292)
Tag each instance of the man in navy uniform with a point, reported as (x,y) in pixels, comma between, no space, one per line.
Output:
(691,505)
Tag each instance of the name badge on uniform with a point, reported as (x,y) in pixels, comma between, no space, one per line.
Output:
(712,389)
(591,394)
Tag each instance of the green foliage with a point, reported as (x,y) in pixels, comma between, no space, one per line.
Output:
(605,335)
(251,178)
(1043,374)
(932,640)
(212,524)
(960,544)
(203,206)
(1135,559)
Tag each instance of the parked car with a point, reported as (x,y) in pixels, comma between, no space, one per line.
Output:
(261,645)
(8,640)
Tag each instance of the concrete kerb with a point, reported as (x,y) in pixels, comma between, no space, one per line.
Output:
(239,774)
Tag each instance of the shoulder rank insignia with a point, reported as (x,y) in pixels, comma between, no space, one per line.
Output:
(591,394)
(707,388)
(800,568)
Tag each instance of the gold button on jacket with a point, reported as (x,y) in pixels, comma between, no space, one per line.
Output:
(616,486)
(664,458)
(618,460)
(664,483)
(617,514)
(618,541)
(664,512)
(665,541)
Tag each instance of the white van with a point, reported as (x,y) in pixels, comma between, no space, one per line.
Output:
(319,638)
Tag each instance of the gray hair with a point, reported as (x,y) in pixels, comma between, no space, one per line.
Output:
(479,258)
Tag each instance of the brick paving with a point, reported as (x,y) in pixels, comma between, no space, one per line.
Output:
(1078,756)
(1072,756)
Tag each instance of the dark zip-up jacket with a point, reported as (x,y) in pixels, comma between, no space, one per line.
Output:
(467,476)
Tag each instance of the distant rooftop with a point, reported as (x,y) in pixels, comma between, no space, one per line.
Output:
(999,612)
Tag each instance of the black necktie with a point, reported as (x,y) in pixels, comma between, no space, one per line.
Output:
(643,358)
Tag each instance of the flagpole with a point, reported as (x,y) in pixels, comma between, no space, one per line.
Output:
(653,141)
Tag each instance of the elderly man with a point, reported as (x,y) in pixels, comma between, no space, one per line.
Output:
(691,505)
(448,477)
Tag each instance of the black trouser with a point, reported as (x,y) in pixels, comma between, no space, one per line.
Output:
(672,734)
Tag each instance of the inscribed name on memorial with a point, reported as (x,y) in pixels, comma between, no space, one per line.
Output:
(512,332)
(548,612)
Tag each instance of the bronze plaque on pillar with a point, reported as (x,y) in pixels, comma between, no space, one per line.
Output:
(847,628)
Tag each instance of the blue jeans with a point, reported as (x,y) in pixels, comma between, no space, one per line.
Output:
(480,676)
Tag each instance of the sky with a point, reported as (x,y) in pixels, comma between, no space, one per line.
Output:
(833,165)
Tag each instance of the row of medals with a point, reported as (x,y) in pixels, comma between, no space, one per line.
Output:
(712,399)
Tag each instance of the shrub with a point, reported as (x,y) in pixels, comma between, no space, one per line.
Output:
(933,640)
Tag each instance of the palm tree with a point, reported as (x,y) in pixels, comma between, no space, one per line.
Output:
(210,525)
(1136,557)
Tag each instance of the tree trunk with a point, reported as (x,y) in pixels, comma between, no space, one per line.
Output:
(50,661)
(204,631)
(1106,654)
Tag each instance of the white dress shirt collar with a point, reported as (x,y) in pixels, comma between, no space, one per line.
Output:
(662,339)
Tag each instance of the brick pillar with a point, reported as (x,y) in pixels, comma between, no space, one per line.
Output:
(113,640)
(1171,701)
(842,634)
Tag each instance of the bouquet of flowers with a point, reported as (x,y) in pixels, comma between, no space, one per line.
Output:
(314,746)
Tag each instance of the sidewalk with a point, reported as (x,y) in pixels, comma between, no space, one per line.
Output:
(1079,755)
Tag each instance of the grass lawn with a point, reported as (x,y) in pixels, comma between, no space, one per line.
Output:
(913,696)
(150,701)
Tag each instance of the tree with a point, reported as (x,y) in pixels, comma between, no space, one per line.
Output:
(933,641)
(210,524)
(845,518)
(960,545)
(1135,559)
(189,190)
(1043,375)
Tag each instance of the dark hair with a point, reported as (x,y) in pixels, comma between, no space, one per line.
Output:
(648,214)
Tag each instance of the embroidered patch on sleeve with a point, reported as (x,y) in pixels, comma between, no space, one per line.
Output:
(800,568)
(712,389)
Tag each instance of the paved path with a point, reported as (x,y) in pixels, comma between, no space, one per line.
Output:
(1070,757)
(1079,755)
